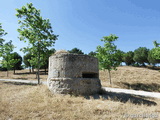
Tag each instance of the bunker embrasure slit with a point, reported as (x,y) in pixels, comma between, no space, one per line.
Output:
(89,75)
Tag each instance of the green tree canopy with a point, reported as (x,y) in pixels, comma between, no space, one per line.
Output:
(2,33)
(141,55)
(26,59)
(8,61)
(128,58)
(46,58)
(37,32)
(119,57)
(152,58)
(156,53)
(76,51)
(93,54)
(17,66)
(108,54)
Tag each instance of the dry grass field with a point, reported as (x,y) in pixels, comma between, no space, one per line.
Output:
(133,78)
(27,102)
(22,74)
(35,102)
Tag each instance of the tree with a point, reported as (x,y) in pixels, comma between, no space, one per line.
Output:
(2,33)
(156,50)
(8,61)
(46,58)
(107,55)
(93,54)
(17,66)
(37,32)
(141,55)
(151,58)
(128,58)
(26,62)
(76,51)
(119,57)
(156,53)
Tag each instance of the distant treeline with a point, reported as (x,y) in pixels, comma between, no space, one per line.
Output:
(139,57)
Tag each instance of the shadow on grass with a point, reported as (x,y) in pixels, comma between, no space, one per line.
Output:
(32,73)
(153,68)
(140,86)
(22,78)
(122,97)
(20,83)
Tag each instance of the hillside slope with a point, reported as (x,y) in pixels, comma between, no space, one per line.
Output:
(133,78)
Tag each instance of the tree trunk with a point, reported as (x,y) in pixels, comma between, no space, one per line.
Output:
(109,73)
(14,71)
(29,70)
(38,64)
(7,73)
(7,66)
(36,74)
(144,65)
(32,70)
(45,70)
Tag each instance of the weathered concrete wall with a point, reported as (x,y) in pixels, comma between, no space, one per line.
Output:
(74,74)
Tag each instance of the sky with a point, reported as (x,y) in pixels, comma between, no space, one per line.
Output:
(83,23)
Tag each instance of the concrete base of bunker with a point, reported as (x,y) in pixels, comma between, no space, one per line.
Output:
(76,86)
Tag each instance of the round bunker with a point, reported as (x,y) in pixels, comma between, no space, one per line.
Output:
(73,74)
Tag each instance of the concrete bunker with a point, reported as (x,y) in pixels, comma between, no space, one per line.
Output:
(73,74)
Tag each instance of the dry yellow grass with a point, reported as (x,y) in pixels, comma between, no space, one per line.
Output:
(133,77)
(26,102)
(22,74)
